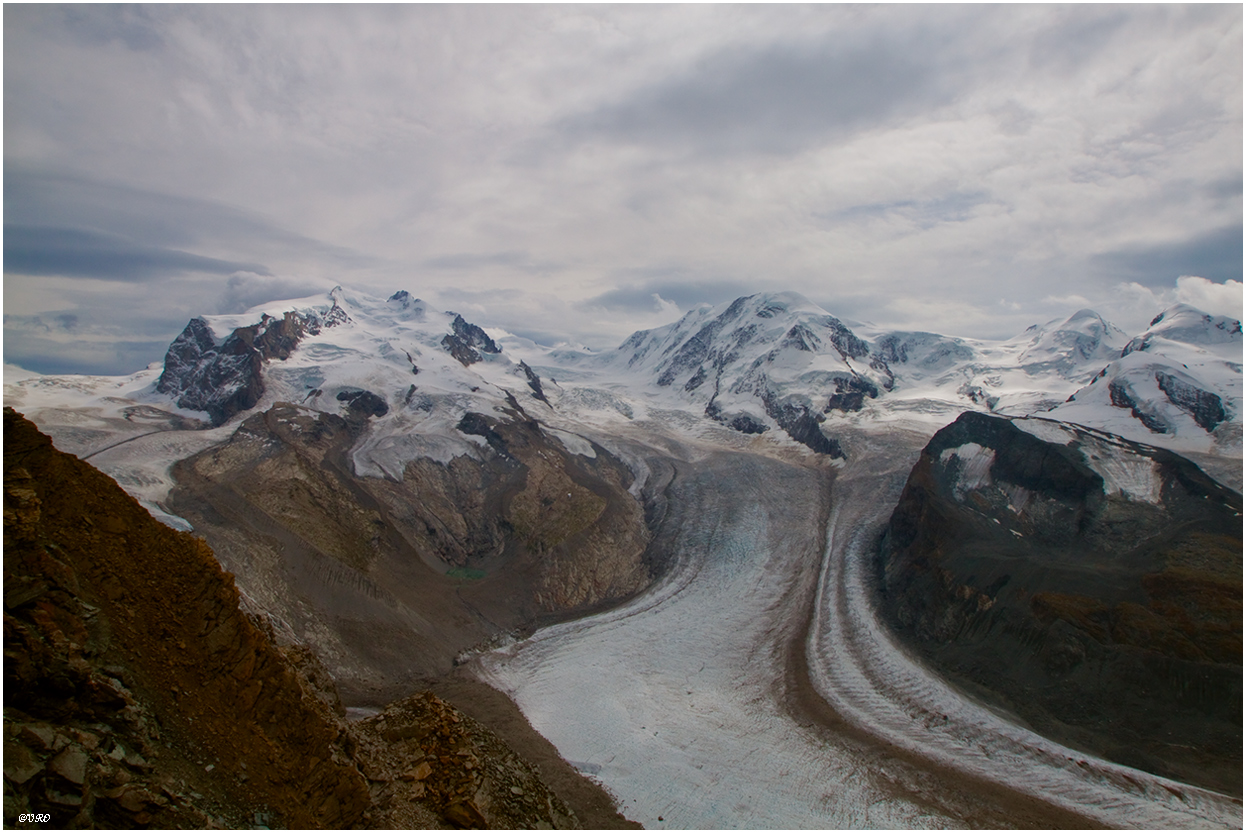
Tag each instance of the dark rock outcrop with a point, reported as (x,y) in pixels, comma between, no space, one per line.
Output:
(1204,406)
(744,423)
(363,403)
(465,340)
(1106,613)
(891,349)
(802,425)
(844,339)
(1121,396)
(850,393)
(225,379)
(695,380)
(220,379)
(534,382)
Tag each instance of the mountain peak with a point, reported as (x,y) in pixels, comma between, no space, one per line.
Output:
(1186,315)
(1082,336)
(1190,325)
(1082,314)
(771,304)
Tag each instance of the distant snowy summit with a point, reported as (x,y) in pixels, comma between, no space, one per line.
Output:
(217,363)
(771,362)
(1180,380)
(777,360)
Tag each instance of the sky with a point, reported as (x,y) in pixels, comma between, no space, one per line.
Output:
(578,172)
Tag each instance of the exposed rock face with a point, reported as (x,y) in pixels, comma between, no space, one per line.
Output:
(364,403)
(390,578)
(139,694)
(743,423)
(464,341)
(1121,395)
(1089,584)
(801,424)
(220,380)
(1204,406)
(421,751)
(534,382)
(850,393)
(226,378)
(136,691)
(696,350)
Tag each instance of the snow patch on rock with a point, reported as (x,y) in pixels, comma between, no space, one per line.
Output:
(973,464)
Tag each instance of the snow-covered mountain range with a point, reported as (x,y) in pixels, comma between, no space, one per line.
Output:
(773,364)
(778,361)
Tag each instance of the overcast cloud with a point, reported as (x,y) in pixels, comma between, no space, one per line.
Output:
(579,172)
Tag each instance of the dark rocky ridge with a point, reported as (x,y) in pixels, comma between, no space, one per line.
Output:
(227,379)
(1204,406)
(534,382)
(1109,624)
(464,341)
(139,694)
(1121,396)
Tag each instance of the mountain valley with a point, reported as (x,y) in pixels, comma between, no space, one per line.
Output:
(727,567)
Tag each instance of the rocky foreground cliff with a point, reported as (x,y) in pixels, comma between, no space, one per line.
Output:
(140,693)
(1088,584)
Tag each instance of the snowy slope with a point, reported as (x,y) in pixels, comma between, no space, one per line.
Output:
(773,364)
(1023,375)
(778,362)
(1177,385)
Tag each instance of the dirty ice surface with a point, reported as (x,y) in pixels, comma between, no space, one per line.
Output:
(675,701)
(671,701)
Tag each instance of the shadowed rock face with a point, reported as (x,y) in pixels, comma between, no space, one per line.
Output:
(136,691)
(1204,406)
(391,579)
(1104,610)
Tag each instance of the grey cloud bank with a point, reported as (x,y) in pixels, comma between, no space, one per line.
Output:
(584,171)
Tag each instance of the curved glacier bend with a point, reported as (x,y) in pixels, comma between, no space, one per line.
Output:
(675,701)
(859,669)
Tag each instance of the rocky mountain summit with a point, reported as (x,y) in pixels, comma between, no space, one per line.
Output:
(1089,584)
(140,691)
